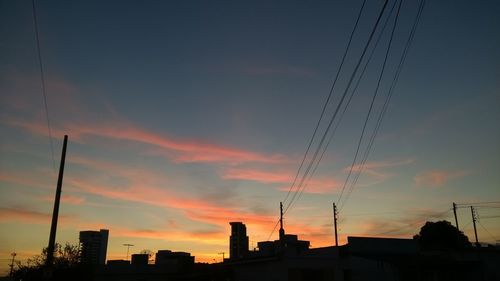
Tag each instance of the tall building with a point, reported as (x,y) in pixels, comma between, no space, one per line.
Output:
(93,245)
(238,241)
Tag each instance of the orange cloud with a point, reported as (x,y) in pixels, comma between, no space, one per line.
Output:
(205,237)
(194,209)
(437,178)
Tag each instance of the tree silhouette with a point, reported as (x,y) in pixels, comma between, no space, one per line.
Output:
(66,265)
(441,235)
(147,252)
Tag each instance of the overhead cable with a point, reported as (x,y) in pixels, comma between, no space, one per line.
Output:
(42,78)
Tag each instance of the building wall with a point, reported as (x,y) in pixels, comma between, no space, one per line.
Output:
(238,241)
(93,245)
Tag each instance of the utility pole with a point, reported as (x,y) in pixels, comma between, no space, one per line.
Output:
(282,231)
(335,223)
(128,248)
(455,213)
(474,218)
(12,263)
(55,213)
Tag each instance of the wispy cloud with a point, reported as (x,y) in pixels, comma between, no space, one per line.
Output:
(25,215)
(437,178)
(284,178)
(280,70)
(180,150)
(376,169)
(66,199)
(402,227)
(258,175)
(194,209)
(21,179)
(205,237)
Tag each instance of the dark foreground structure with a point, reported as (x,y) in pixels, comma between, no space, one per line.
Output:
(362,258)
(291,259)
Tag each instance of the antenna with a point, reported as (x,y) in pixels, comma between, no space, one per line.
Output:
(128,247)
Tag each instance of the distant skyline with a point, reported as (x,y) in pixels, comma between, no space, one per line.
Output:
(185,116)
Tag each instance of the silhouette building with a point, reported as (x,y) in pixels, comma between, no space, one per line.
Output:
(140,259)
(93,245)
(238,241)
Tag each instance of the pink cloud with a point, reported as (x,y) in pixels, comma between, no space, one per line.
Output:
(375,169)
(65,96)
(258,176)
(198,210)
(66,199)
(179,150)
(22,179)
(130,173)
(194,209)
(28,216)
(437,178)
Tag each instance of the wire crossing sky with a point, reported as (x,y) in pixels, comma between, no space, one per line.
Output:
(184,116)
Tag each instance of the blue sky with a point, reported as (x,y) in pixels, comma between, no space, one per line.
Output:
(183,116)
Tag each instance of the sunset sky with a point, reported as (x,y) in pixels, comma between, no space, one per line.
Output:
(185,115)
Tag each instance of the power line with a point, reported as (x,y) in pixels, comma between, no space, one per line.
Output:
(348,101)
(491,235)
(42,78)
(386,103)
(375,93)
(301,184)
(274,229)
(388,98)
(346,51)
(412,225)
(490,217)
(479,203)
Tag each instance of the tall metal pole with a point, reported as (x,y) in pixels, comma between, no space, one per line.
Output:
(55,213)
(474,223)
(335,223)
(455,213)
